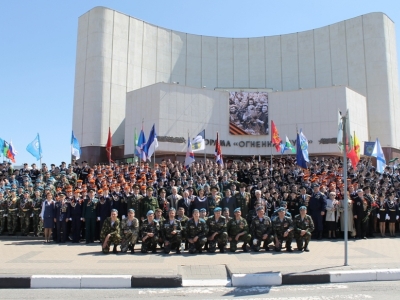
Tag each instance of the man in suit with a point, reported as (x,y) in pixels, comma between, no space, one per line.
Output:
(185,203)
(174,197)
(228,201)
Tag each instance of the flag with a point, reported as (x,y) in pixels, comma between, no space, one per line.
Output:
(1,145)
(11,152)
(218,154)
(300,160)
(189,159)
(275,139)
(354,154)
(135,140)
(349,140)
(199,143)
(287,146)
(141,144)
(340,132)
(368,148)
(75,147)
(5,148)
(152,143)
(109,145)
(35,148)
(380,157)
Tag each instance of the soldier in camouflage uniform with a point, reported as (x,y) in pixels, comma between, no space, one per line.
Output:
(261,229)
(238,230)
(129,232)
(25,211)
(213,200)
(303,227)
(13,206)
(3,212)
(148,203)
(196,232)
(282,227)
(171,232)
(37,202)
(149,232)
(180,216)
(217,233)
(110,232)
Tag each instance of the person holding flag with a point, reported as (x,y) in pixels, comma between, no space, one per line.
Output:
(189,159)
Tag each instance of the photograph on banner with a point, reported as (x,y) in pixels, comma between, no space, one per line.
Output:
(248,113)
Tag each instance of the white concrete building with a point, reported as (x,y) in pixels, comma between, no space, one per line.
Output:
(118,54)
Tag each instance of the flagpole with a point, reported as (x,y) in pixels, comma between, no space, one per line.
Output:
(345,200)
(205,153)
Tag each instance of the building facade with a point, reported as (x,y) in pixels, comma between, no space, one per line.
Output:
(118,54)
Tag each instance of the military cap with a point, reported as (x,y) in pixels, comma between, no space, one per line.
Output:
(225,209)
(280,209)
(359,191)
(283,203)
(61,194)
(114,210)
(30,185)
(47,188)
(237,209)
(13,190)
(315,185)
(149,188)
(26,192)
(91,190)
(218,209)
(260,208)
(303,207)
(172,209)
(131,210)
(150,212)
(203,210)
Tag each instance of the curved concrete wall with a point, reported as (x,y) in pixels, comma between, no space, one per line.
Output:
(117,53)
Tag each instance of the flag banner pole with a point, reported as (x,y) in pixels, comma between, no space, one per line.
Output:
(345,200)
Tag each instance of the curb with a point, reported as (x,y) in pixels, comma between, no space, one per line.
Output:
(173,281)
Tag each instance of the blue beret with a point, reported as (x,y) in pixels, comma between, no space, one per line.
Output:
(303,208)
(202,210)
(237,209)
(280,209)
(218,209)
(150,212)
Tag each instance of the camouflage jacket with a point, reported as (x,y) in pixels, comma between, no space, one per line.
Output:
(132,228)
(216,226)
(167,228)
(306,224)
(279,227)
(260,227)
(113,230)
(154,227)
(192,230)
(235,227)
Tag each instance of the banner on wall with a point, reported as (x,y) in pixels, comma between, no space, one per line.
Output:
(248,113)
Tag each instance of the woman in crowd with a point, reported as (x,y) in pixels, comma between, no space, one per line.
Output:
(48,216)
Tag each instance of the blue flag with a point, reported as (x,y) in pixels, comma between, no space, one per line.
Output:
(300,161)
(35,148)
(380,157)
(141,146)
(75,147)
(152,143)
(1,145)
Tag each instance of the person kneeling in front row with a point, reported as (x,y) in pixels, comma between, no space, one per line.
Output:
(303,226)
(110,232)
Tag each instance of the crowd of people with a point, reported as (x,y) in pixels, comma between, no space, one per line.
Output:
(260,204)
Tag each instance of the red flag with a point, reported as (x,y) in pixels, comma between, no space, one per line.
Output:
(275,139)
(108,145)
(218,153)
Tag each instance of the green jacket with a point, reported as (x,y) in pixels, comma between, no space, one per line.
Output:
(235,227)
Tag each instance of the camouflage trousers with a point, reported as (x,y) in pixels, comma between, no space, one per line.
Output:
(128,239)
(115,240)
(267,241)
(299,240)
(24,218)
(149,244)
(12,222)
(37,225)
(281,238)
(173,243)
(245,238)
(196,246)
(221,239)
